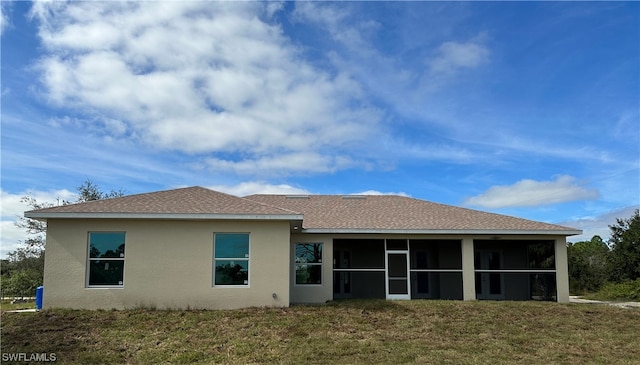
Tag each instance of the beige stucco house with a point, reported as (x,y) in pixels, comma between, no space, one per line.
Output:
(198,248)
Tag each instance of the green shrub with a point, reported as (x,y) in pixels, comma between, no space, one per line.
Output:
(21,283)
(628,290)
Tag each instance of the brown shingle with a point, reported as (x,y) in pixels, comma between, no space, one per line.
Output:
(321,212)
(193,200)
(388,212)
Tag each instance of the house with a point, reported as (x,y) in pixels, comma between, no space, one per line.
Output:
(198,248)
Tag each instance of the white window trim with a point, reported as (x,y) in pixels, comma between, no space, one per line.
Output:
(247,259)
(89,259)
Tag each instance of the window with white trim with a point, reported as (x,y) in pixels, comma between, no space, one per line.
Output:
(106,259)
(231,259)
(308,263)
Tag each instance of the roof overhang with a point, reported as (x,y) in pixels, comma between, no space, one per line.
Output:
(164,216)
(568,232)
(43,216)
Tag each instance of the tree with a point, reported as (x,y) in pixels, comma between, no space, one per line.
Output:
(23,259)
(588,264)
(625,248)
(22,271)
(34,228)
(22,283)
(89,191)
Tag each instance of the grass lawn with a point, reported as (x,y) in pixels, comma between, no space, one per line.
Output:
(344,332)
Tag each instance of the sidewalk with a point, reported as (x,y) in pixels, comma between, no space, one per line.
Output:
(22,310)
(627,305)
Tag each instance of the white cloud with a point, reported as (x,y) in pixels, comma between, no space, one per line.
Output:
(284,164)
(338,20)
(273,7)
(11,205)
(597,225)
(626,127)
(4,19)
(261,187)
(528,193)
(516,143)
(376,192)
(452,56)
(409,78)
(258,187)
(200,78)
(439,151)
(12,208)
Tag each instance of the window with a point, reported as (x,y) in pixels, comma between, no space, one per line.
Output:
(308,263)
(106,258)
(231,259)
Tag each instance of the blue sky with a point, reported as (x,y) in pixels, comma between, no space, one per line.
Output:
(528,109)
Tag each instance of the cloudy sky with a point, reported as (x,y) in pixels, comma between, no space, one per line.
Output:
(526,109)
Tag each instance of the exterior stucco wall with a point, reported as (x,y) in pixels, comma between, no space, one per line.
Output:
(468,266)
(306,294)
(562,270)
(169,264)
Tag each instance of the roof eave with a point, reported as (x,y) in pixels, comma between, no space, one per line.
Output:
(163,216)
(568,232)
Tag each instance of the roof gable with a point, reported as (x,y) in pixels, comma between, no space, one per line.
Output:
(192,201)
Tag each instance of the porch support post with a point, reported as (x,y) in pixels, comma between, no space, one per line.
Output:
(562,270)
(468,274)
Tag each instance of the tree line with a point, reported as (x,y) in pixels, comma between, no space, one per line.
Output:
(594,263)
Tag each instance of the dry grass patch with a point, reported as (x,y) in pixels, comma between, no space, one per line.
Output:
(372,331)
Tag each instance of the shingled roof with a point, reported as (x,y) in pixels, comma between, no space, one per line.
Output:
(193,202)
(389,213)
(318,213)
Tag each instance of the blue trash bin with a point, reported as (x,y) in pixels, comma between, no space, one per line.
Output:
(39,294)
